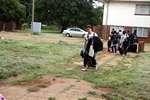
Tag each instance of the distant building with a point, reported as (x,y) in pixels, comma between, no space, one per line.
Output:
(127,15)
(12,25)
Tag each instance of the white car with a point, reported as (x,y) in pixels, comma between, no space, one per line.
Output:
(75,32)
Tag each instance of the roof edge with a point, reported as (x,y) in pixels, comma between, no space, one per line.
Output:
(126,0)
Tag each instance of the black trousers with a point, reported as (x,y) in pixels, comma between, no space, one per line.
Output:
(113,49)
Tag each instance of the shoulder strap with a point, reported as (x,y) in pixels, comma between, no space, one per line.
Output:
(88,36)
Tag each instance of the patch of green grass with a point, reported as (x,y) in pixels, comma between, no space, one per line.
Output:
(35,89)
(147,44)
(33,58)
(136,87)
(92,93)
(54,79)
(52,98)
(43,85)
(67,88)
(85,98)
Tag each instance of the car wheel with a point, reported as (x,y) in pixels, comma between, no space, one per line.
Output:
(68,35)
(83,35)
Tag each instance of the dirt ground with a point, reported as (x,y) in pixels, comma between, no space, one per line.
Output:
(55,87)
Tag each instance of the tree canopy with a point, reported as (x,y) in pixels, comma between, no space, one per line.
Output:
(11,10)
(67,13)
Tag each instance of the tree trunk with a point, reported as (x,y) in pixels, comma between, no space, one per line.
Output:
(4,27)
(63,28)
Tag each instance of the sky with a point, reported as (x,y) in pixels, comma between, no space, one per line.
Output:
(97,4)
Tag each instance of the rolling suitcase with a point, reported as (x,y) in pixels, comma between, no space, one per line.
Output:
(133,48)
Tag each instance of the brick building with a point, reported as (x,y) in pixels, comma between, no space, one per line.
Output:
(127,15)
(10,26)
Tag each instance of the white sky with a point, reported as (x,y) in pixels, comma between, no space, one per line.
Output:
(97,4)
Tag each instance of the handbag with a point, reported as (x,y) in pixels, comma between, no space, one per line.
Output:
(91,50)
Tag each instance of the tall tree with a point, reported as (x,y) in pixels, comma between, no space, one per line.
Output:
(27,4)
(10,10)
(66,13)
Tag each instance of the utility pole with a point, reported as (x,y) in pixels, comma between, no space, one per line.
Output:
(32,17)
(107,18)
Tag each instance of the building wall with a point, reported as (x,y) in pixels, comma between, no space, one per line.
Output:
(9,26)
(123,14)
(98,30)
(18,26)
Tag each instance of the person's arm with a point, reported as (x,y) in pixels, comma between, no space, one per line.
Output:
(84,44)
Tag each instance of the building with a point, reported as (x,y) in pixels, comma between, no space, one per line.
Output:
(127,15)
(12,25)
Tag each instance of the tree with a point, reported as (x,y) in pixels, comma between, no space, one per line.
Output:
(27,4)
(10,11)
(66,13)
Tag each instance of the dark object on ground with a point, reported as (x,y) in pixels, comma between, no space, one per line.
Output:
(133,48)
(90,60)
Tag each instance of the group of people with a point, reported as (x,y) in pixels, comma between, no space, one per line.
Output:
(123,41)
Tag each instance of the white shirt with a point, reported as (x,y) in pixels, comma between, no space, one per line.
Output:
(90,35)
(122,39)
(120,34)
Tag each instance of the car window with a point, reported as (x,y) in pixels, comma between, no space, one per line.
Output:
(72,30)
(78,30)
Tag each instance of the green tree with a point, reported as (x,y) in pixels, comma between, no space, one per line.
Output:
(27,4)
(66,13)
(10,11)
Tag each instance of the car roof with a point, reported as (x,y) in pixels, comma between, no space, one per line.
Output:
(75,28)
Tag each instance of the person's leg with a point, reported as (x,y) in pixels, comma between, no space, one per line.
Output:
(112,49)
(94,60)
(85,62)
(115,49)
(123,52)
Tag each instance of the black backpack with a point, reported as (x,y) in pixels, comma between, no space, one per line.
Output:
(98,44)
(115,39)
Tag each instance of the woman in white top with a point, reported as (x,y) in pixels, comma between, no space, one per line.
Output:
(87,37)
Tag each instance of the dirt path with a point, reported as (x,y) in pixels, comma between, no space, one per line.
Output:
(19,37)
(55,89)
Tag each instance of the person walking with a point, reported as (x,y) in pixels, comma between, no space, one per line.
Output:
(114,39)
(87,52)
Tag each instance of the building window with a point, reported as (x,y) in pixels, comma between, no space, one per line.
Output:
(141,31)
(116,28)
(142,9)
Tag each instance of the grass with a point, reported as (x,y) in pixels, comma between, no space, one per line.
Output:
(43,86)
(82,98)
(33,59)
(137,87)
(147,44)
(35,89)
(67,88)
(92,93)
(52,98)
